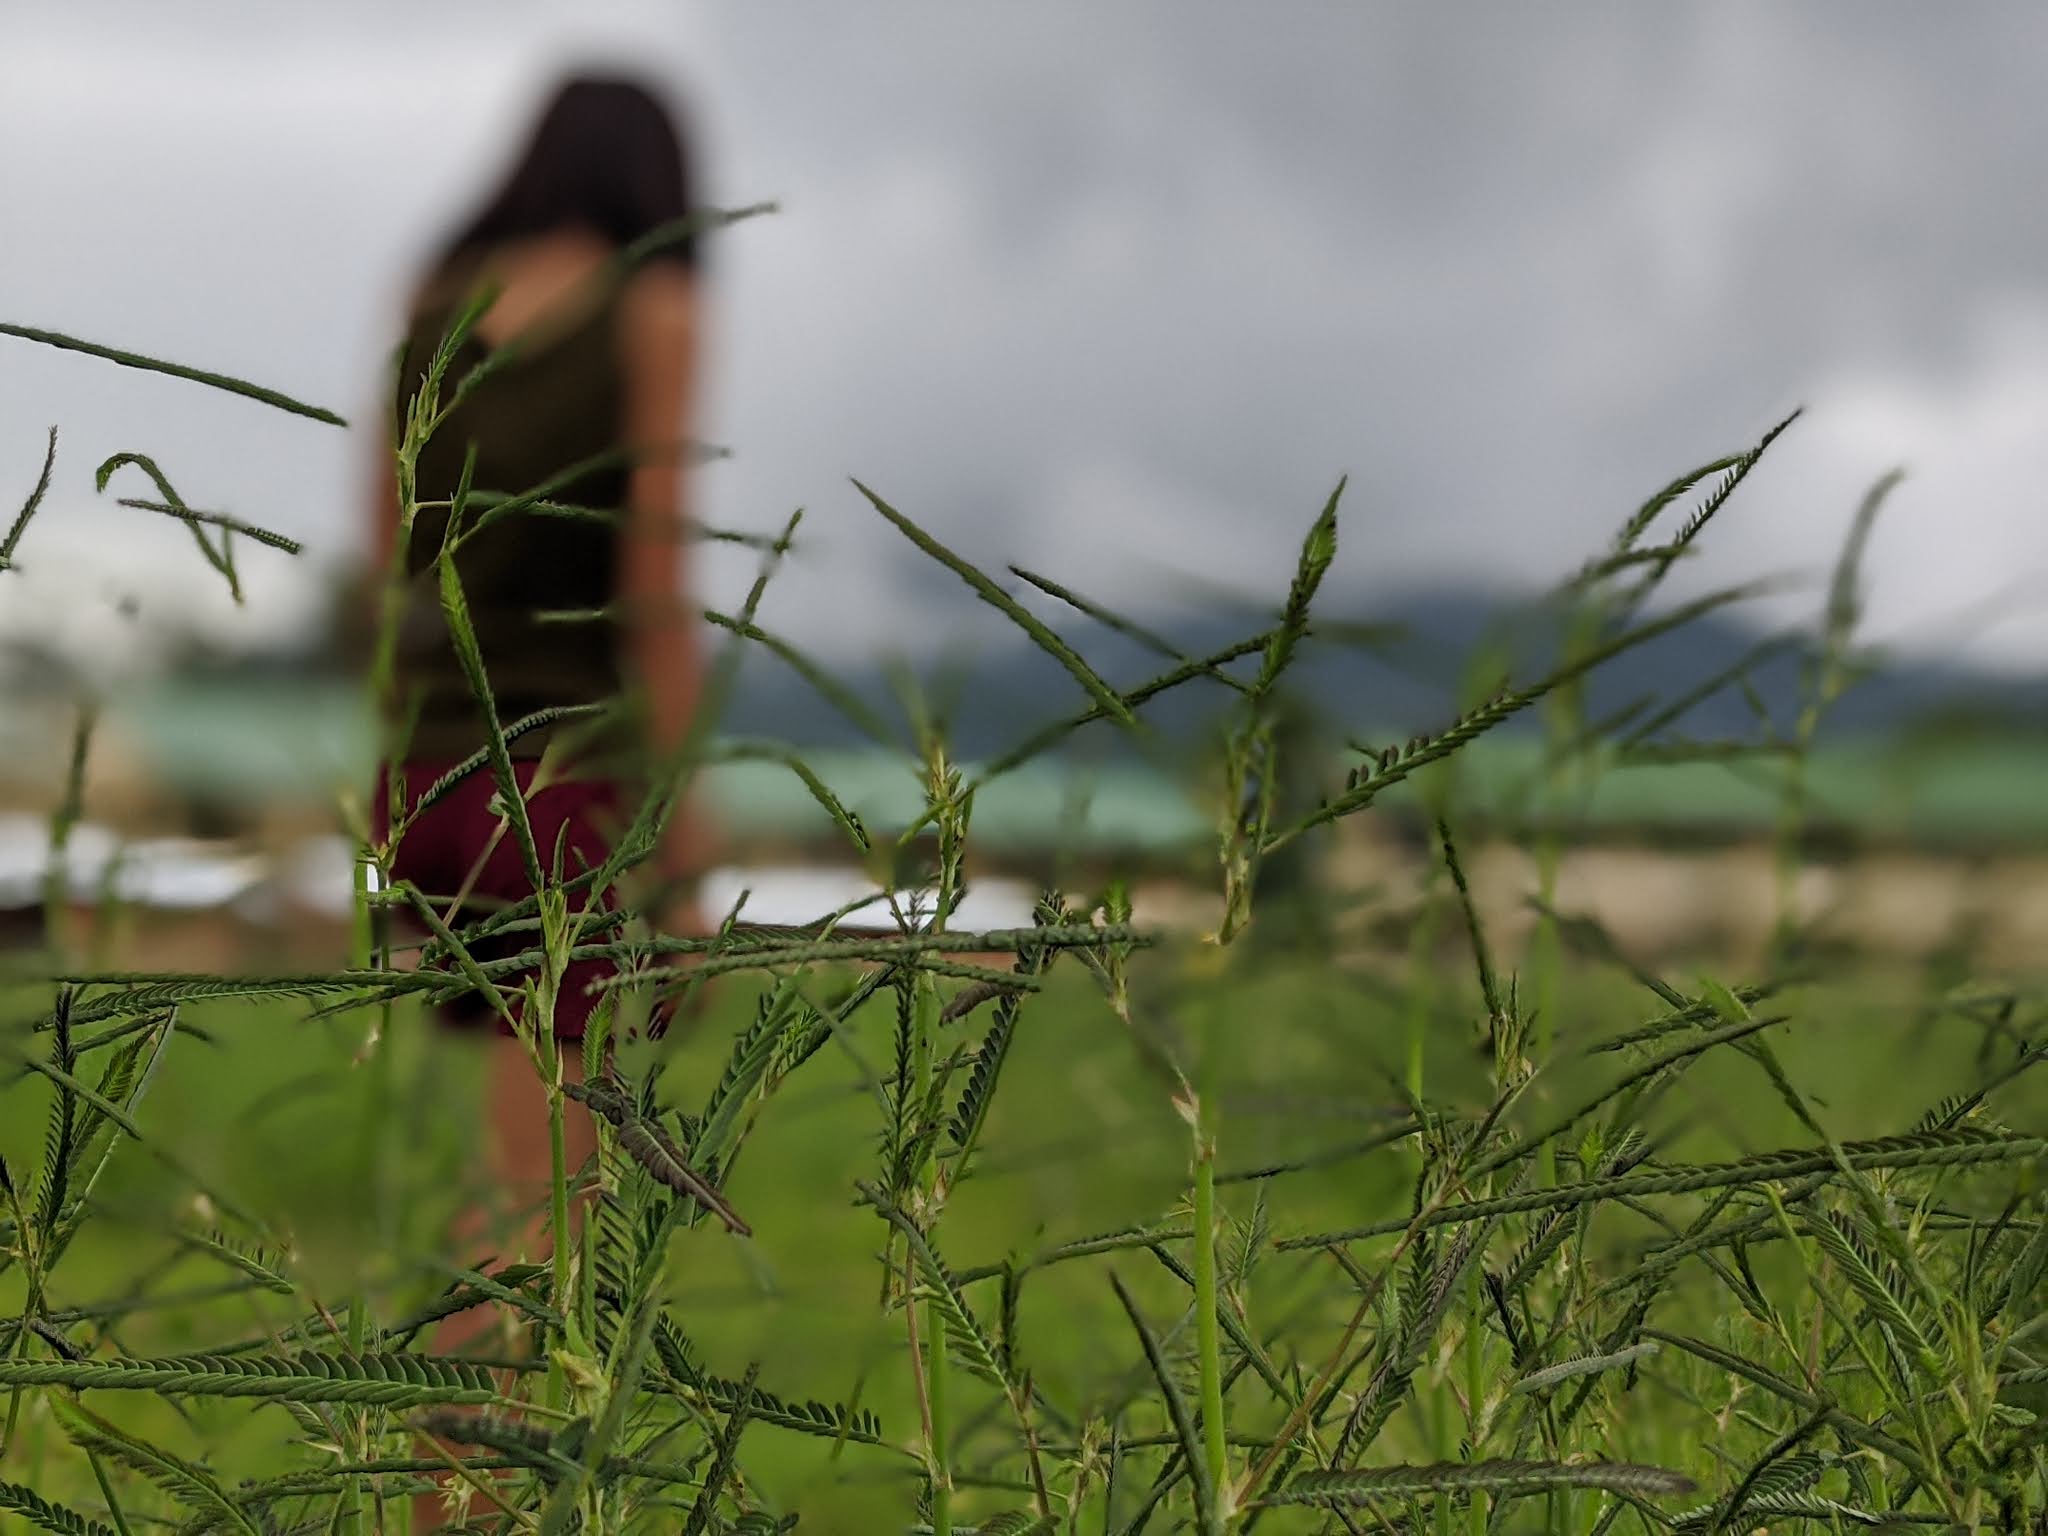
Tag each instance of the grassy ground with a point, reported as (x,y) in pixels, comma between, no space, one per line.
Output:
(363,1162)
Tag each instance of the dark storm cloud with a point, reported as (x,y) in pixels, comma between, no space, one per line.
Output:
(1509,273)
(1119,291)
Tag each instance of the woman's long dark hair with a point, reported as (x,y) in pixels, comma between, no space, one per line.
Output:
(605,158)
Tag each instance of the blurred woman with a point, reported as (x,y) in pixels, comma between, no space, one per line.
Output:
(590,396)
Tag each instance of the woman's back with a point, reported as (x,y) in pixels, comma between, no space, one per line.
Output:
(550,414)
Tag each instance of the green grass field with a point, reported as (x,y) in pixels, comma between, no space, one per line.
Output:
(359,1166)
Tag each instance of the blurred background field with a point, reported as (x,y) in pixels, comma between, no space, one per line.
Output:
(209,801)
(1128,343)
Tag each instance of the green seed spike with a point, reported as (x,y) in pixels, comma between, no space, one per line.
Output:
(220,381)
(1318,551)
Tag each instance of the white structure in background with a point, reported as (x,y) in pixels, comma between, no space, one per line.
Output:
(168,874)
(317,878)
(794,894)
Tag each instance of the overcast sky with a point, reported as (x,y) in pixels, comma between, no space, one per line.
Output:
(1116,292)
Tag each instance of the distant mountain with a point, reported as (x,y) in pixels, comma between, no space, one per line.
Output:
(1387,687)
(1401,676)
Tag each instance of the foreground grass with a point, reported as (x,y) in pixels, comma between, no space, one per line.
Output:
(359,1175)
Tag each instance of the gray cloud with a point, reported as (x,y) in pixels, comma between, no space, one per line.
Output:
(1119,292)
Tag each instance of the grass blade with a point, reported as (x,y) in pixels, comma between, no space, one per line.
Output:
(1176,1407)
(1106,698)
(233,386)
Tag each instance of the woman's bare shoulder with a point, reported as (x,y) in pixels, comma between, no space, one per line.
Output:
(444,285)
(658,300)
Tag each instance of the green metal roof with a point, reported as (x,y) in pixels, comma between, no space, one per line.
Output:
(1980,792)
(307,740)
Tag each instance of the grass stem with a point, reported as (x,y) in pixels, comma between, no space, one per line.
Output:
(935,1394)
(1207,1333)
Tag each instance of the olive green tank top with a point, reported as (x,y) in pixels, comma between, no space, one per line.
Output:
(553,403)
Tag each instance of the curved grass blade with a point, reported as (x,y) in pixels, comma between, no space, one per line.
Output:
(827,687)
(768,752)
(1639,522)
(1423,1312)
(221,520)
(29,507)
(138,992)
(1048,737)
(1684,1051)
(127,1079)
(1862,1265)
(266,1269)
(1778,1470)
(524,725)
(61,1127)
(222,559)
(1706,512)
(1115,622)
(698,221)
(1847,1423)
(511,803)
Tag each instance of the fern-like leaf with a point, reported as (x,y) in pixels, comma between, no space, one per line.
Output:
(1371,1484)
(825,1421)
(977,1351)
(715,1478)
(190,1484)
(1017,1523)
(1583,1365)
(265,1268)
(1875,1280)
(382,1380)
(41,1513)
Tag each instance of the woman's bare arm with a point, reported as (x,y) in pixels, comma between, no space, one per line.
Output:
(384,533)
(659,324)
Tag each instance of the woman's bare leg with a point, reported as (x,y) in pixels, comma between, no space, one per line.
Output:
(522,1179)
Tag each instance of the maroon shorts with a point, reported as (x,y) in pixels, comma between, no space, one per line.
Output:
(457,846)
